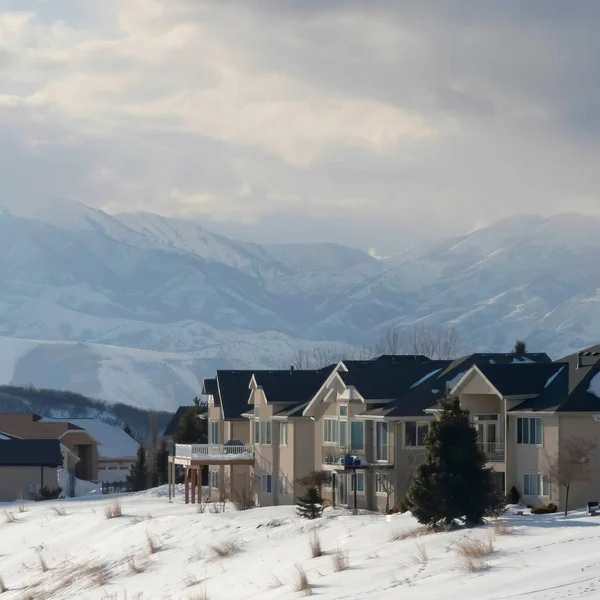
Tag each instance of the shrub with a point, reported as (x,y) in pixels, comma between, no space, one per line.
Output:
(310,505)
(472,565)
(113,511)
(46,493)
(135,567)
(544,510)
(60,510)
(501,528)
(3,587)
(513,496)
(22,508)
(153,545)
(314,541)
(224,549)
(468,548)
(245,497)
(302,583)
(402,505)
(419,556)
(10,517)
(340,561)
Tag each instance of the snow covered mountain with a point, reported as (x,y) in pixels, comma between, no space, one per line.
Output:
(137,308)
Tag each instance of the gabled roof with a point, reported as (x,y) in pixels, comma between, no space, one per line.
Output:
(210,387)
(291,386)
(30,453)
(171,428)
(520,379)
(234,392)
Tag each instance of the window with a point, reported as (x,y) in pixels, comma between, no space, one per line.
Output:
(214,432)
(256,431)
(357,435)
(343,410)
(360,482)
(382,483)
(112,468)
(283,440)
(123,468)
(101,468)
(265,437)
(282,486)
(535,484)
(266,483)
(414,433)
(529,430)
(381,432)
(330,431)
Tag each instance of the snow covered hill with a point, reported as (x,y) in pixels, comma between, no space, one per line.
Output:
(157,550)
(138,308)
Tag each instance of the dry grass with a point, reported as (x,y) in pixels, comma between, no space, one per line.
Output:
(501,528)
(340,561)
(190,581)
(43,563)
(419,556)
(475,549)
(113,511)
(61,511)
(10,517)
(302,583)
(276,583)
(99,573)
(473,565)
(3,587)
(197,554)
(224,549)
(214,508)
(314,542)
(398,536)
(201,595)
(201,508)
(135,567)
(153,545)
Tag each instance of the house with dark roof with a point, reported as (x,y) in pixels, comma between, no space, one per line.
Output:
(26,465)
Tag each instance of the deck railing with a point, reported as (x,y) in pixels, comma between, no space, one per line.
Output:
(494,451)
(214,451)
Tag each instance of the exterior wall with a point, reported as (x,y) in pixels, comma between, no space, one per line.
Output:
(530,458)
(304,454)
(588,490)
(266,459)
(15,482)
(405,463)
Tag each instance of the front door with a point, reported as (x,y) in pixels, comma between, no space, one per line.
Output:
(487,432)
(342,481)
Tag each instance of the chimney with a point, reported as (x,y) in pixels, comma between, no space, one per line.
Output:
(579,360)
(291,368)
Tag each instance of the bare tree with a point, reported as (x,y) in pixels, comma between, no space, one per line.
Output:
(572,464)
(388,487)
(390,342)
(440,343)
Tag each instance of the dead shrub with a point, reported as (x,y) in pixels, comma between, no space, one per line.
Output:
(10,517)
(22,508)
(398,536)
(43,563)
(99,573)
(3,587)
(314,541)
(340,561)
(190,581)
(201,508)
(473,565)
(153,545)
(60,510)
(302,583)
(245,497)
(197,554)
(501,528)
(135,567)
(475,549)
(419,556)
(113,511)
(224,549)
(201,595)
(276,583)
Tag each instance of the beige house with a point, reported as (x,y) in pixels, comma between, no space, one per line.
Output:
(366,422)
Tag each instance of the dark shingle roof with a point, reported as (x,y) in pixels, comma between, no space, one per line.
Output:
(520,379)
(174,422)
(211,388)
(30,453)
(234,391)
(291,387)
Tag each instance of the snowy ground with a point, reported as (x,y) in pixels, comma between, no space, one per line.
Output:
(87,556)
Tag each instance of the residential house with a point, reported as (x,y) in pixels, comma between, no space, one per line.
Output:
(26,465)
(173,424)
(82,447)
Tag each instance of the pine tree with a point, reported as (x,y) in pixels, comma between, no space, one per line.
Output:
(520,348)
(161,464)
(138,473)
(310,505)
(453,482)
(191,429)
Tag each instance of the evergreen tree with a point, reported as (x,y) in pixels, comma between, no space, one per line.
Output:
(310,505)
(453,482)
(138,473)
(191,429)
(520,348)
(161,464)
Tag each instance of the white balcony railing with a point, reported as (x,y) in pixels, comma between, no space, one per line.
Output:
(214,452)
(494,451)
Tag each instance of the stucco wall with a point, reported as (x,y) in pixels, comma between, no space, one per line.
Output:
(14,481)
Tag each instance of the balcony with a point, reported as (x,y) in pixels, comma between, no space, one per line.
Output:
(494,451)
(335,455)
(214,453)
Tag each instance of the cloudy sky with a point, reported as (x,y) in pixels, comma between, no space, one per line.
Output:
(372,123)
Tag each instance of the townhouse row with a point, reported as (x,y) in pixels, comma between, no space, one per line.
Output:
(366,422)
